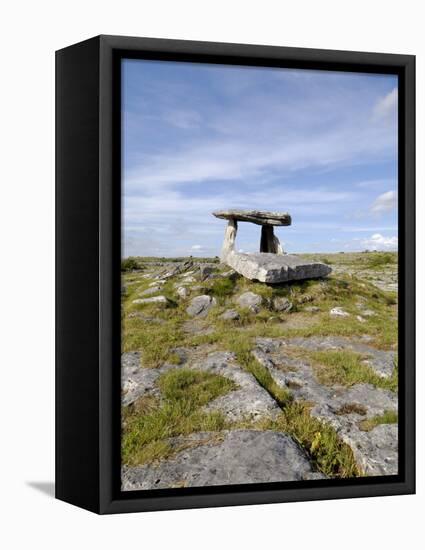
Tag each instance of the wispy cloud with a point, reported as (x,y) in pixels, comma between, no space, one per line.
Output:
(385,202)
(387,105)
(320,145)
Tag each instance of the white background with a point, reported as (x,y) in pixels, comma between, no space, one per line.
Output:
(30,33)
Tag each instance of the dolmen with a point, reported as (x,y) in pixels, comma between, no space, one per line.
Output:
(271,264)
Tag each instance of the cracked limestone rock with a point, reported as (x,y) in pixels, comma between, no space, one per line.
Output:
(343,408)
(237,457)
(201,305)
(249,401)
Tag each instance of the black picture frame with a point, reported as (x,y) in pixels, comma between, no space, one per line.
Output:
(88,225)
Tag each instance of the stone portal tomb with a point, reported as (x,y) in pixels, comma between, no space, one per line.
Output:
(271,264)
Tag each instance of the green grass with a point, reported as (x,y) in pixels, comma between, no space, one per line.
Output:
(196,388)
(379,260)
(346,368)
(222,288)
(145,433)
(148,425)
(330,455)
(389,417)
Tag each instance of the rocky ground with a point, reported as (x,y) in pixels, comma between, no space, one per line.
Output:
(227,381)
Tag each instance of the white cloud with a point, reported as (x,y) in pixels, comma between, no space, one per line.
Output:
(387,105)
(385,202)
(197,247)
(184,120)
(379,242)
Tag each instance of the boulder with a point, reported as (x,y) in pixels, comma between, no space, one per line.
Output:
(183,292)
(230,315)
(250,300)
(200,306)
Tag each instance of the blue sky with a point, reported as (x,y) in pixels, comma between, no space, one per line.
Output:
(320,145)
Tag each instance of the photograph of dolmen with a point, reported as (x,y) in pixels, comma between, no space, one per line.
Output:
(259,275)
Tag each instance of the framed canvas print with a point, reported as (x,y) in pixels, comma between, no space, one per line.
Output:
(235,274)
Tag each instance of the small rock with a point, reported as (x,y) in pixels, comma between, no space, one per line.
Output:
(151,290)
(282,304)
(312,309)
(360,319)
(338,312)
(250,300)
(200,306)
(154,300)
(231,274)
(189,279)
(230,315)
(368,313)
(183,292)
(205,271)
(160,282)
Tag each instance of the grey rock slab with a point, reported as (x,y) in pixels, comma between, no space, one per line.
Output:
(275,268)
(176,269)
(376,452)
(201,305)
(242,456)
(373,452)
(135,380)
(230,315)
(151,290)
(249,401)
(161,300)
(250,300)
(259,217)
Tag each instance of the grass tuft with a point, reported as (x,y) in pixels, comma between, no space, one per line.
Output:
(145,434)
(346,367)
(389,417)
